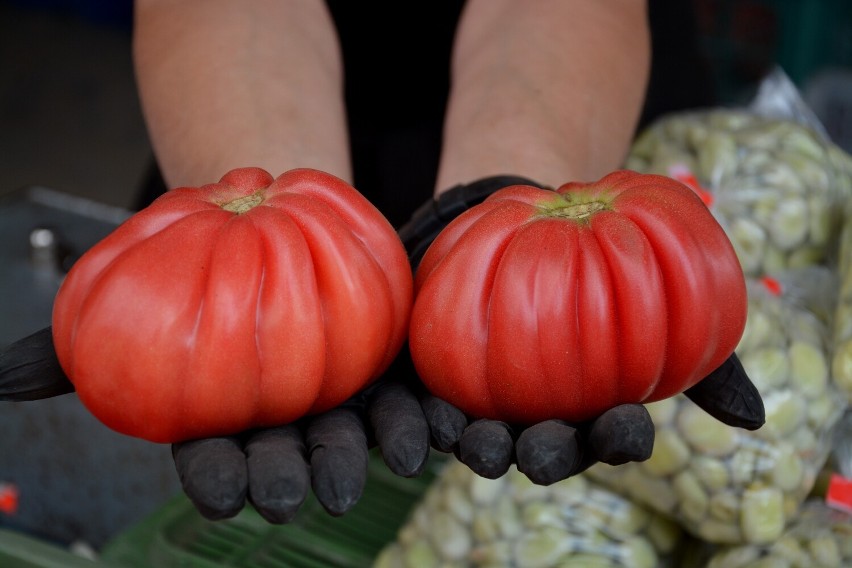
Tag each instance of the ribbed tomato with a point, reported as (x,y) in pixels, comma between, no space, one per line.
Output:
(249,302)
(540,304)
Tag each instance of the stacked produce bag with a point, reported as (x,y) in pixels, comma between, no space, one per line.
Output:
(841,368)
(783,193)
(467,520)
(818,536)
(728,485)
(711,495)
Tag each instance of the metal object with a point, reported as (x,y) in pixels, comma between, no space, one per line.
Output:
(75,479)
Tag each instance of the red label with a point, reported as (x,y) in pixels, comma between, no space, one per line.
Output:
(839,495)
(8,498)
(683,174)
(772,285)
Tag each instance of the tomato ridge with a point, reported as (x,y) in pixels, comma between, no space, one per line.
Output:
(496,400)
(709,341)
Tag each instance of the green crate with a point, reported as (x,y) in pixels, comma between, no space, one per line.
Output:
(18,550)
(178,536)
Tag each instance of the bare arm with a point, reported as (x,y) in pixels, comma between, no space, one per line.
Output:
(229,83)
(548,89)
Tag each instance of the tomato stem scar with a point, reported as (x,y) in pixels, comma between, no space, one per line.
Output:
(579,210)
(242,204)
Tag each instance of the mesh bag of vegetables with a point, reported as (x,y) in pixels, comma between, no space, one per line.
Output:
(819,536)
(728,485)
(468,520)
(841,368)
(767,172)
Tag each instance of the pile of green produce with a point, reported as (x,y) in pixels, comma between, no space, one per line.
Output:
(818,536)
(841,368)
(466,520)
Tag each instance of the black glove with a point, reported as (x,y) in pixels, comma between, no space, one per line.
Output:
(273,468)
(554,450)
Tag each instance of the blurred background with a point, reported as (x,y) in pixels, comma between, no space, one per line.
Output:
(70,118)
(69,114)
(74,157)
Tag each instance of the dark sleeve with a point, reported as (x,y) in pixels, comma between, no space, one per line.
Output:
(681,73)
(396,58)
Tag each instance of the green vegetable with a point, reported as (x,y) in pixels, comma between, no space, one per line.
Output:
(817,537)
(514,523)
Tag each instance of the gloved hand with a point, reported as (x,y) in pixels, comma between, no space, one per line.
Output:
(273,468)
(554,450)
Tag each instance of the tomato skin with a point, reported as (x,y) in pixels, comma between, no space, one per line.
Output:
(191,320)
(540,304)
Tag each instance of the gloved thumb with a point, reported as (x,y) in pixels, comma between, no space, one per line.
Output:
(29,369)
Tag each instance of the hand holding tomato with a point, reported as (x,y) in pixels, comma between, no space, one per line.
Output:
(636,261)
(217,315)
(245,303)
(274,468)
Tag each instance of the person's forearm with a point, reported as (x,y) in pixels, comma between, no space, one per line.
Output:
(548,89)
(228,83)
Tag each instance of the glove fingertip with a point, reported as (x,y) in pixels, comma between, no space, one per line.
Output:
(339,481)
(623,434)
(487,448)
(337,446)
(447,423)
(728,395)
(279,475)
(214,476)
(217,511)
(279,505)
(406,458)
(548,452)
(400,429)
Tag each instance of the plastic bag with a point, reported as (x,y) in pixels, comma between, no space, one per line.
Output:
(767,173)
(728,485)
(468,520)
(841,367)
(819,536)
(838,491)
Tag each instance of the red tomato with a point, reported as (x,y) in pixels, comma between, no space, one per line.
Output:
(249,302)
(540,304)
